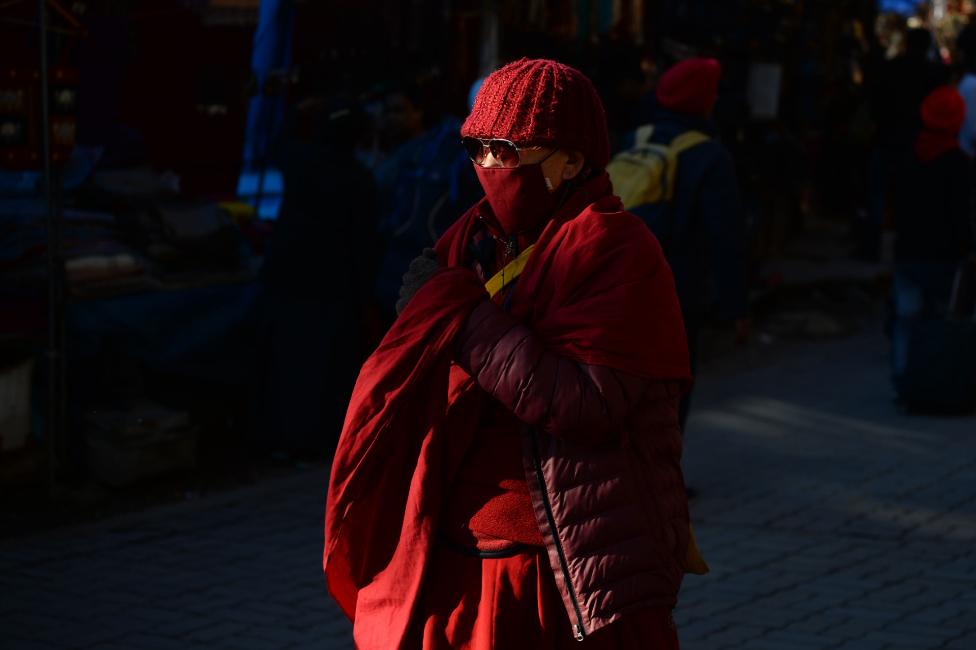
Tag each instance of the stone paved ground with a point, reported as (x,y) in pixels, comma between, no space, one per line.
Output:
(830,519)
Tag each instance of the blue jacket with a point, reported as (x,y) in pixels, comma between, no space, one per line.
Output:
(423,188)
(702,232)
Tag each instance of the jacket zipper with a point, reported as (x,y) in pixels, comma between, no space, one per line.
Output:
(578,632)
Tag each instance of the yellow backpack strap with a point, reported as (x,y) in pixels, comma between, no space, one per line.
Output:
(686,141)
(508,274)
(679,145)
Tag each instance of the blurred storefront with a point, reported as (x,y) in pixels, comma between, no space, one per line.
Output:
(127,266)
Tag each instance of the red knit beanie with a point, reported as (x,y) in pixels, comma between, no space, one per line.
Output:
(690,86)
(944,110)
(541,102)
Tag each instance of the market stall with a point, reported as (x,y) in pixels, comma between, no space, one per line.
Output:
(127,266)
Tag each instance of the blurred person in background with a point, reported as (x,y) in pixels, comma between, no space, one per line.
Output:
(901,85)
(933,222)
(895,93)
(529,394)
(318,274)
(423,185)
(966,53)
(701,228)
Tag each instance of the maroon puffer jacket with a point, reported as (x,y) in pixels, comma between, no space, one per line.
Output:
(602,459)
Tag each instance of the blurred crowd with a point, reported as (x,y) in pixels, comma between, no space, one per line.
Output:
(882,142)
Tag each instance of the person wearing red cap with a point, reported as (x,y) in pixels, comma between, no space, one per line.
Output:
(701,228)
(509,471)
(690,87)
(932,213)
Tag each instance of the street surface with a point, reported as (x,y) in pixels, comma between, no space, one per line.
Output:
(830,519)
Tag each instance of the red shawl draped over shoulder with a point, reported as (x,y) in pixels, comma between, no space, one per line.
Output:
(596,289)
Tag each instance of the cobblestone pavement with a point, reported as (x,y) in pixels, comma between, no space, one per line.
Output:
(830,520)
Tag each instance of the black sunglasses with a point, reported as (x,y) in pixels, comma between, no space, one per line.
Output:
(505,152)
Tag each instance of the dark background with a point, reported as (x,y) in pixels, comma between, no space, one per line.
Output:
(189,313)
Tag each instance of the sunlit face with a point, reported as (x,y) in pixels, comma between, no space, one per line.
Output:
(558,165)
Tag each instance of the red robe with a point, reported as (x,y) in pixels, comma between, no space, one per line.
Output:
(412,414)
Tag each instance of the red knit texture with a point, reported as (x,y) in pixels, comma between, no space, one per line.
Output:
(944,110)
(690,86)
(541,102)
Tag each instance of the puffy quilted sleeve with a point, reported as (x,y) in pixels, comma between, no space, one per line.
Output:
(541,387)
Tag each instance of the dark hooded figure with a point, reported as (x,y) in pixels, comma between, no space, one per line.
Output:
(509,472)
(895,93)
(319,275)
(899,88)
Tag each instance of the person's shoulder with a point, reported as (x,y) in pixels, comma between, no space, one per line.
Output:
(605,224)
(711,148)
(679,126)
(967,84)
(706,159)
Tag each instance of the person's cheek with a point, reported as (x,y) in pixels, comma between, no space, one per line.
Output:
(552,172)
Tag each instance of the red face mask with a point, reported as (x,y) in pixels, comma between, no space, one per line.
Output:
(519,196)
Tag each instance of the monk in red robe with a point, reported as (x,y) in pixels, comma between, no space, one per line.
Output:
(508,474)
